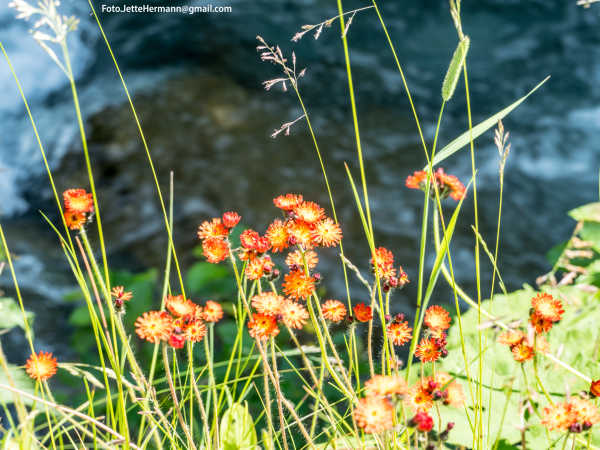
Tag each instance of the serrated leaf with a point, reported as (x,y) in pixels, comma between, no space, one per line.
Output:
(237,429)
(454,69)
(480,128)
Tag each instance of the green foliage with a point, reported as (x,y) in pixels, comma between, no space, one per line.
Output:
(18,378)
(11,315)
(454,69)
(589,212)
(237,429)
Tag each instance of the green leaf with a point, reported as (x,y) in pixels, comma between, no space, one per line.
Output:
(237,429)
(208,279)
(11,315)
(454,69)
(480,128)
(589,212)
(21,381)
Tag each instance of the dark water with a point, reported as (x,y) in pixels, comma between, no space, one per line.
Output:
(197,85)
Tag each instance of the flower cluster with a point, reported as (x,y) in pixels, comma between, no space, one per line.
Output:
(183,321)
(375,413)
(79,207)
(382,265)
(214,235)
(447,185)
(433,345)
(546,310)
(574,415)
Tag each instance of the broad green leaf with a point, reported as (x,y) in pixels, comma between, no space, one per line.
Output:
(589,212)
(454,69)
(21,381)
(480,128)
(237,429)
(11,315)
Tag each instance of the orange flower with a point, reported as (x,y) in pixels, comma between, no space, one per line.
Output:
(585,411)
(212,229)
(42,366)
(309,212)
(454,394)
(326,233)
(287,202)
(383,261)
(255,268)
(399,332)
(522,352)
(277,234)
(449,185)
(179,306)
(294,315)
(261,326)
(374,414)
(385,385)
(334,310)
(437,318)
(362,312)
(511,337)
(417,180)
(540,324)
(154,326)
(212,312)
(558,416)
(300,233)
(298,285)
(231,219)
(215,250)
(428,350)
(419,398)
(268,303)
(74,220)
(119,293)
(195,331)
(547,307)
(249,238)
(595,388)
(295,259)
(78,201)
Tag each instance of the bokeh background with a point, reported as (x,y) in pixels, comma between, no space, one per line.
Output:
(196,82)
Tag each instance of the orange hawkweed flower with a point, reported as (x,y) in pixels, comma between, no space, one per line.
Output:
(362,312)
(428,350)
(215,250)
(294,315)
(212,312)
(195,331)
(547,307)
(522,352)
(255,268)
(231,219)
(449,185)
(326,233)
(417,180)
(213,228)
(268,303)
(179,306)
(558,416)
(334,310)
(383,262)
(455,395)
(385,385)
(585,411)
(154,326)
(419,397)
(287,202)
(249,238)
(119,293)
(298,285)
(261,326)
(74,220)
(511,337)
(399,332)
(595,388)
(300,233)
(374,414)
(540,324)
(295,259)
(309,212)
(278,236)
(78,201)
(437,318)
(42,366)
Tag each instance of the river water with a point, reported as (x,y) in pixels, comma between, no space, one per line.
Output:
(197,79)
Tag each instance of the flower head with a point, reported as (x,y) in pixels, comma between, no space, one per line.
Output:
(417,180)
(179,306)
(419,397)
(42,366)
(287,202)
(215,250)
(154,326)
(249,238)
(399,332)
(437,318)
(78,201)
(231,219)
(300,233)
(547,307)
(294,315)
(383,262)
(176,340)
(511,337)
(423,422)
(119,293)
(212,311)
(74,220)
(540,324)
(595,388)
(195,331)
(374,414)
(428,350)
(309,212)
(522,352)
(268,303)
(558,416)
(257,267)
(295,258)
(334,310)
(213,228)
(262,327)
(278,236)
(326,233)
(449,185)
(298,285)
(386,385)
(362,312)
